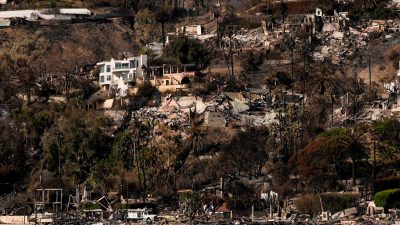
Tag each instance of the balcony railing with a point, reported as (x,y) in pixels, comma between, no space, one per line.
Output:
(122,69)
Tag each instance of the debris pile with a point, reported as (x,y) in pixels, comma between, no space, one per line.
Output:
(217,111)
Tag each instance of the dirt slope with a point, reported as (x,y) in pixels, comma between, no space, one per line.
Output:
(85,43)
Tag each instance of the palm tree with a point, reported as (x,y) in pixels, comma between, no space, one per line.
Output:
(166,143)
(162,17)
(326,83)
(357,152)
(324,79)
(388,133)
(5,85)
(195,143)
(147,160)
(369,4)
(388,153)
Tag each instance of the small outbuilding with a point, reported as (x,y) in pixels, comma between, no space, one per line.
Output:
(223,212)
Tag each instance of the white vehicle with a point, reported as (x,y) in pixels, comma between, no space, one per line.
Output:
(140,214)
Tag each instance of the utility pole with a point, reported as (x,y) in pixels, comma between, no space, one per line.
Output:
(374,165)
(283,12)
(291,55)
(332,111)
(231,54)
(369,71)
(230,33)
(229,57)
(60,136)
(218,5)
(304,75)
(373,171)
(59,163)
(252,213)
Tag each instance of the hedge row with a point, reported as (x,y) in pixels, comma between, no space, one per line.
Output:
(332,202)
(388,198)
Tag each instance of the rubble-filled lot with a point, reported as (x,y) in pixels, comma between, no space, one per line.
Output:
(174,111)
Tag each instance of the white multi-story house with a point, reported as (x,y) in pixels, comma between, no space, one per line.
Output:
(127,69)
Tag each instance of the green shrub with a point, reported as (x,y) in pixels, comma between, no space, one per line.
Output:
(337,132)
(308,204)
(388,198)
(91,206)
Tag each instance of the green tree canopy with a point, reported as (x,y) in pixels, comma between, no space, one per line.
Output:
(186,50)
(79,138)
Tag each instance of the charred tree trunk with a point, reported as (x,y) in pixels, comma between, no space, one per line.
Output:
(163,33)
(231,55)
(28,91)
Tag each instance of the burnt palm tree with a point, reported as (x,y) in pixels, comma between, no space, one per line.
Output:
(326,83)
(163,16)
(5,86)
(304,46)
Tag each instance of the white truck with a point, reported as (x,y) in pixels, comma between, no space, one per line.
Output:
(140,214)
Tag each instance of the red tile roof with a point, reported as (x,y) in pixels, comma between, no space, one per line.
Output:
(223,208)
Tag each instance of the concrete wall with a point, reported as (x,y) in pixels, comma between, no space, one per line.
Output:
(14,219)
(191,29)
(171,88)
